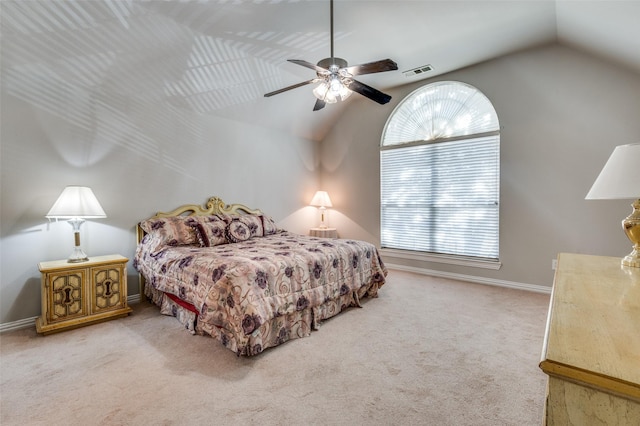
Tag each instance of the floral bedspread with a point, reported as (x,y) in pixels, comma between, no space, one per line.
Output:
(240,286)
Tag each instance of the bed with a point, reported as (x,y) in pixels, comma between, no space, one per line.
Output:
(229,272)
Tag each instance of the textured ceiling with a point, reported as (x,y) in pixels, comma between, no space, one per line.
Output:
(220,56)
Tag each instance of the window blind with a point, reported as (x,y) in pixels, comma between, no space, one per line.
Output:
(442,197)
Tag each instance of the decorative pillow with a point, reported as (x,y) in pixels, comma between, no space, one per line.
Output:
(238,231)
(226,218)
(268,225)
(171,231)
(211,231)
(253,222)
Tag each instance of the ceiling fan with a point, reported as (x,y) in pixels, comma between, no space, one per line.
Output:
(336,78)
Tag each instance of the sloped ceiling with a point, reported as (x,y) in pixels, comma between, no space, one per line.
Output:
(220,56)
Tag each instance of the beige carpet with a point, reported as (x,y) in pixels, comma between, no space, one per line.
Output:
(428,351)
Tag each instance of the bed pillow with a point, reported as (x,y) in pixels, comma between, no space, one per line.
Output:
(238,231)
(268,225)
(171,231)
(211,231)
(254,223)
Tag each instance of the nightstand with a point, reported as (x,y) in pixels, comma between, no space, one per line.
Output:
(324,232)
(79,294)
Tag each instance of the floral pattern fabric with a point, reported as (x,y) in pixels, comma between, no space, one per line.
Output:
(170,231)
(263,291)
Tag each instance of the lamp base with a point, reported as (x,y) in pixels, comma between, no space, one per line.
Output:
(323,224)
(631,226)
(632,260)
(77,256)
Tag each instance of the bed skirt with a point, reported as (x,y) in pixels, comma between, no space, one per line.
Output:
(272,332)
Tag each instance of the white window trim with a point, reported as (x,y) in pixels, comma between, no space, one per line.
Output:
(439,140)
(441,258)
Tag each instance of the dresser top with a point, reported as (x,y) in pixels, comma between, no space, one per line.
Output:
(593,330)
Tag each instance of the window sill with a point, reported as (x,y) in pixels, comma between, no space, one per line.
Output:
(441,258)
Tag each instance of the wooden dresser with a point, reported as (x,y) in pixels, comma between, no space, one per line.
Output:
(591,349)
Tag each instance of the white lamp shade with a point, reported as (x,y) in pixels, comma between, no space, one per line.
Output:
(321,199)
(76,202)
(620,176)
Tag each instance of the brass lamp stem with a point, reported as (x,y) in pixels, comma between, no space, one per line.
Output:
(631,226)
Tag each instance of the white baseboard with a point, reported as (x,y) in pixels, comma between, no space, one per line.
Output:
(31,322)
(18,325)
(135,298)
(470,278)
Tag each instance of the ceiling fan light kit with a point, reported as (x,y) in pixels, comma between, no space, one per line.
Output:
(332,91)
(336,78)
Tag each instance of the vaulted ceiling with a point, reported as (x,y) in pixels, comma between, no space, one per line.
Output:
(219,57)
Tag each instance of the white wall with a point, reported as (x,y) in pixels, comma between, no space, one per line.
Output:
(138,159)
(561,113)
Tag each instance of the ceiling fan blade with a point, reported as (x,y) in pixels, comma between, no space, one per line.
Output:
(369,92)
(294,86)
(372,67)
(308,65)
(319,104)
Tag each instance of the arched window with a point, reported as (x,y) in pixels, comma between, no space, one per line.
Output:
(440,173)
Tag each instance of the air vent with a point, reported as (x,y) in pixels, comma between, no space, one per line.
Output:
(417,71)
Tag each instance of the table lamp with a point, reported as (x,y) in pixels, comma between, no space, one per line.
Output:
(76,203)
(620,179)
(322,201)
